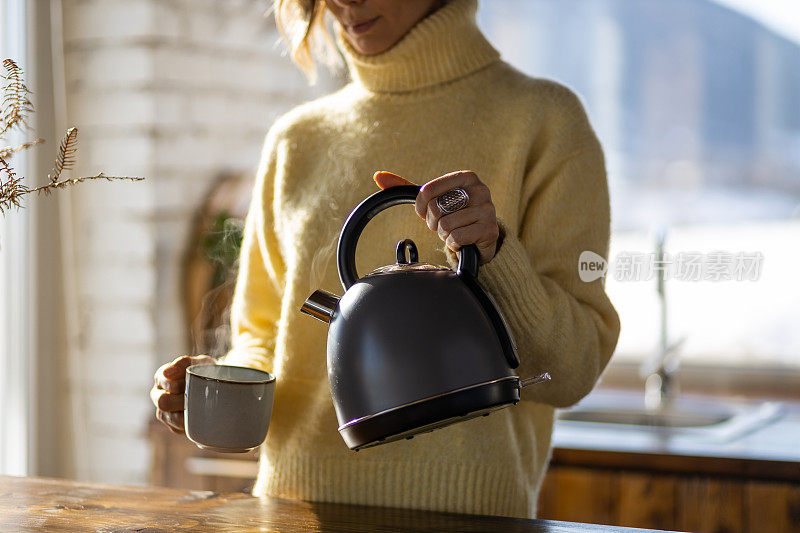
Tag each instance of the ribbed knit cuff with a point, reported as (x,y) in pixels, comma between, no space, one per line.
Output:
(509,271)
(527,307)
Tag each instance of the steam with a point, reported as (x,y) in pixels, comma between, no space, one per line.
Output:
(214,339)
(343,153)
(219,250)
(328,205)
(323,257)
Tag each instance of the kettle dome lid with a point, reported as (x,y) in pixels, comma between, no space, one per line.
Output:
(408,261)
(410,267)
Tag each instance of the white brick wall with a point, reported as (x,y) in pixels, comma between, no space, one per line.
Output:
(176,91)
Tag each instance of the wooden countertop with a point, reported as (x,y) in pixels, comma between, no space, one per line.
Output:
(37,504)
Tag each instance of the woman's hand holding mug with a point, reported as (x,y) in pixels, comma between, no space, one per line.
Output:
(167,392)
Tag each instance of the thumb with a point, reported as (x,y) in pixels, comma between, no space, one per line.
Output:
(386,179)
(203,360)
(180,364)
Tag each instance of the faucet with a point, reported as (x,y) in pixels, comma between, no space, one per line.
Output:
(661,384)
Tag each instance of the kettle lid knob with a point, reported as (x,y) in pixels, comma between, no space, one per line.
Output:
(407,246)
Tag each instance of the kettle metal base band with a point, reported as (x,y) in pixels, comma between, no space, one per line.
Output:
(431,413)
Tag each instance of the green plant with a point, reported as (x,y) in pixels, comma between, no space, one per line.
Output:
(15,109)
(222,244)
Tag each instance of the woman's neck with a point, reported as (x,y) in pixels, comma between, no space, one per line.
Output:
(444,46)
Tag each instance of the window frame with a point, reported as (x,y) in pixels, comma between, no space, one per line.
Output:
(16,386)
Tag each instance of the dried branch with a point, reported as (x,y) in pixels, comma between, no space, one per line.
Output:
(12,189)
(60,184)
(11,150)
(66,154)
(16,105)
(15,108)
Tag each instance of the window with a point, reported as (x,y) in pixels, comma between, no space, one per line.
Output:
(696,104)
(14,287)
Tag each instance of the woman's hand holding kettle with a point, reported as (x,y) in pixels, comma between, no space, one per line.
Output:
(167,392)
(458,206)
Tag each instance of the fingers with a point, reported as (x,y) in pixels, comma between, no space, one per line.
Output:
(171,377)
(463,217)
(173,386)
(474,224)
(173,420)
(479,198)
(169,408)
(165,401)
(386,179)
(167,393)
(177,368)
(477,234)
(465,179)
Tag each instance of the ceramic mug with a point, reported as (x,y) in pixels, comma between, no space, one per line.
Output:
(228,408)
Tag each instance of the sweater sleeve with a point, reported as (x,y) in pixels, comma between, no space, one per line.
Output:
(560,324)
(256,306)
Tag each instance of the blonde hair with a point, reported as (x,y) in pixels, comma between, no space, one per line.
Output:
(302,26)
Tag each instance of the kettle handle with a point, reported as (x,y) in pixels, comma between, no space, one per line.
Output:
(364,212)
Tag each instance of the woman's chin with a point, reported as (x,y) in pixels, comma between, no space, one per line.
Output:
(367,45)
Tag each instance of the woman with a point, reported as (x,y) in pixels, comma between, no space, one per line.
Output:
(429,96)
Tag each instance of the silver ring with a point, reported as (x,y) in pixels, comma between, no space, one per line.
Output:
(453,200)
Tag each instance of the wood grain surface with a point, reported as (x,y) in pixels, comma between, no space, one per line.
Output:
(700,503)
(36,504)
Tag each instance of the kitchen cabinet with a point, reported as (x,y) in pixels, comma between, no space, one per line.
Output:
(659,500)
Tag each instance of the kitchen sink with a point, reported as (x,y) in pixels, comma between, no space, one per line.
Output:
(686,416)
(641,418)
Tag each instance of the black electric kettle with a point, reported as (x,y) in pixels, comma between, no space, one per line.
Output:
(412,347)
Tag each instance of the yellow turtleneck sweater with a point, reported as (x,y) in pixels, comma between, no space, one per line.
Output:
(439,100)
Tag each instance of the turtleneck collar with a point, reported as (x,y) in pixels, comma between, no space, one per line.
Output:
(442,47)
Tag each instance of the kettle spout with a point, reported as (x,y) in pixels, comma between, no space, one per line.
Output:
(321,305)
